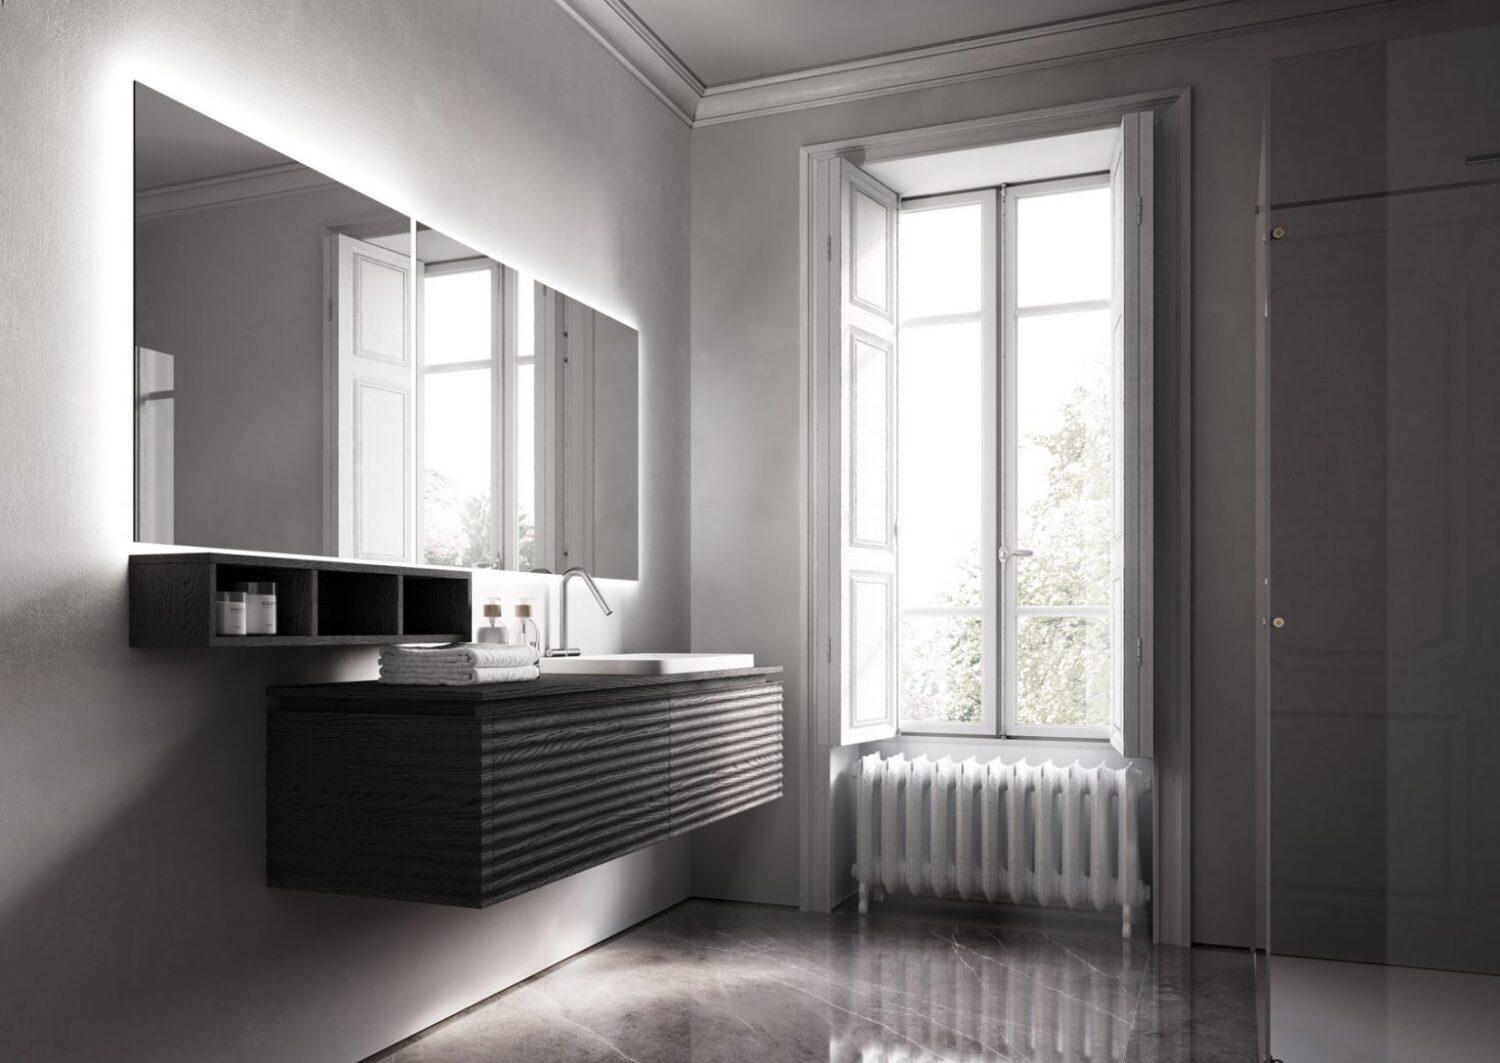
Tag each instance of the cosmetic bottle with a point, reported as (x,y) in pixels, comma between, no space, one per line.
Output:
(527,633)
(260,607)
(496,634)
(229,610)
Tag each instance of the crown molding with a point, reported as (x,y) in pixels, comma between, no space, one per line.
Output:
(1078,40)
(269,182)
(637,47)
(1159,25)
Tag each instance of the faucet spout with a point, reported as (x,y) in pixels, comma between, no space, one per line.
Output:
(565,650)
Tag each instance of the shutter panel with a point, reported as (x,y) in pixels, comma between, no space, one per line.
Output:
(865,239)
(376,398)
(1131,547)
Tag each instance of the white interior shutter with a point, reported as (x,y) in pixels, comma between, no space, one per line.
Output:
(862,250)
(375,429)
(1131,547)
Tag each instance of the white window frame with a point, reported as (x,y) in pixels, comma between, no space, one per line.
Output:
(987,201)
(1129,176)
(1010,315)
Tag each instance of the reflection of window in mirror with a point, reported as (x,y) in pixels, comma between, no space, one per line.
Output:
(154,444)
(523,474)
(480,385)
(460,390)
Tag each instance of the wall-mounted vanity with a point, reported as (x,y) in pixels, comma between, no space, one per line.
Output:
(470,795)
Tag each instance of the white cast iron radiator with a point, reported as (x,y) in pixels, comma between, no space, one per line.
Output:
(1046,835)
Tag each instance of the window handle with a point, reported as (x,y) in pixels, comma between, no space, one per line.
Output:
(1006,554)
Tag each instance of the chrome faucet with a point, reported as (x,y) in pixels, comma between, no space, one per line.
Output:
(562,616)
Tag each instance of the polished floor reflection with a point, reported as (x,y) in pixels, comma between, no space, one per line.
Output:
(708,982)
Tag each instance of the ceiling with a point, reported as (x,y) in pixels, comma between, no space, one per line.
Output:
(732,40)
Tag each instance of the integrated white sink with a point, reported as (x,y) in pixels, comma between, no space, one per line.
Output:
(645,663)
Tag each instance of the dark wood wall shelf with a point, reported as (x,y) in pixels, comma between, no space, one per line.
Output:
(469,795)
(318,602)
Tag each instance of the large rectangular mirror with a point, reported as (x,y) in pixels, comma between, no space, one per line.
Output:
(316,373)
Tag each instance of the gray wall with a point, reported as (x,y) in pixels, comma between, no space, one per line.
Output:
(134,922)
(745,402)
(235,294)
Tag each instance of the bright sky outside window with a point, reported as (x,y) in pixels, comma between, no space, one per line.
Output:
(1030,638)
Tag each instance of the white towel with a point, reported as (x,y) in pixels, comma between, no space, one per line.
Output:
(460,677)
(462,655)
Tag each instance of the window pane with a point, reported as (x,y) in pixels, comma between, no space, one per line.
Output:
(1062,671)
(941,509)
(456,317)
(941,465)
(1064,489)
(457,505)
(526,466)
(871,253)
(1063,247)
(870,477)
(525,316)
(940,267)
(940,669)
(870,603)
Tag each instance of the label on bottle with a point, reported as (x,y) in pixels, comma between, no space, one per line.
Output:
(231,619)
(260,614)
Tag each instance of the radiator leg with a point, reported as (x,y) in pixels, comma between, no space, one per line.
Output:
(1125,921)
(864,899)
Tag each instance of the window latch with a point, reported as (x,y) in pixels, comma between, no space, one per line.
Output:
(1005,554)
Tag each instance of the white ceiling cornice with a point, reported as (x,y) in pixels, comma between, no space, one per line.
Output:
(641,51)
(1176,22)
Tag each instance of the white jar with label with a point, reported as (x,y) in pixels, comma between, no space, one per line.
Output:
(229,613)
(260,607)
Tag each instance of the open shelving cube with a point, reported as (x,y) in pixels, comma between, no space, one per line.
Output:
(318,602)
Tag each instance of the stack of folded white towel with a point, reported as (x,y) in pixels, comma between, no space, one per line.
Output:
(458,664)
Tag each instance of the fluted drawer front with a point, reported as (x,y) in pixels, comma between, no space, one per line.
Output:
(468,800)
(726,753)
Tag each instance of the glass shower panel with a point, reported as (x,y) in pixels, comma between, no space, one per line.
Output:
(1382,523)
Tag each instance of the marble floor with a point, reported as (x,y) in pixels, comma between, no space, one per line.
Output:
(710,982)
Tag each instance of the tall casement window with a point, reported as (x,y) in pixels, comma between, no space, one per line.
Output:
(993,461)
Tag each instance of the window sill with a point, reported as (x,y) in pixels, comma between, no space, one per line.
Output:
(960,746)
(1036,740)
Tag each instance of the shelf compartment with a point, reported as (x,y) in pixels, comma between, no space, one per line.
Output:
(434,604)
(359,603)
(296,596)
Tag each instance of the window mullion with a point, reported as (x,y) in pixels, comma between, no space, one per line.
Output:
(1005,457)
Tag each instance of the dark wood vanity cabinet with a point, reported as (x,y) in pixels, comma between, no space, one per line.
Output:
(470,795)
